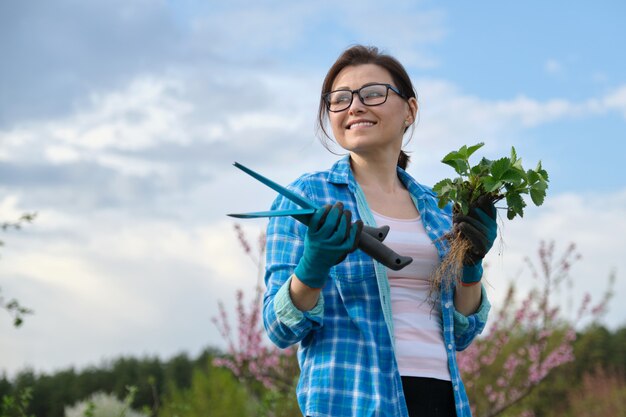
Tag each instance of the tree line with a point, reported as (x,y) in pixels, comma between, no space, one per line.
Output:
(167,387)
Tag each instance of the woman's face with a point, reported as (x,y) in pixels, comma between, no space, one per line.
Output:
(362,129)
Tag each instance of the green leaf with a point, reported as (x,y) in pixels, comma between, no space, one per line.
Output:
(514,176)
(482,168)
(459,160)
(513,155)
(542,172)
(499,167)
(538,192)
(532,176)
(452,155)
(464,195)
(537,196)
(510,214)
(540,185)
(473,149)
(442,186)
(460,165)
(515,203)
(445,191)
(452,194)
(462,206)
(490,184)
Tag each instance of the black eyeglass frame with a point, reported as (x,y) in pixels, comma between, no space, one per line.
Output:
(326,96)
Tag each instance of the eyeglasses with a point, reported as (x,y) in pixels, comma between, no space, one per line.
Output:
(370,95)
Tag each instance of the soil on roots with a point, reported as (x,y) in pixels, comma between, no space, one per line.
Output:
(449,271)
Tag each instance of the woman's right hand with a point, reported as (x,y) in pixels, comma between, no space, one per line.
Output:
(330,237)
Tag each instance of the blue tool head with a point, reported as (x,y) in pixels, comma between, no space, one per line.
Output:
(296,198)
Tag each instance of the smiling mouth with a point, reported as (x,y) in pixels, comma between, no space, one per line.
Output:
(360,124)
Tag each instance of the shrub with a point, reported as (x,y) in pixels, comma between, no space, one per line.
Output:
(102,404)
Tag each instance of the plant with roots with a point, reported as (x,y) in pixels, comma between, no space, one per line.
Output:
(526,340)
(487,182)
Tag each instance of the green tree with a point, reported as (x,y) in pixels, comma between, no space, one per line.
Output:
(16,405)
(214,392)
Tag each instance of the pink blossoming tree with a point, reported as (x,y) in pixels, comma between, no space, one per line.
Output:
(526,341)
(250,356)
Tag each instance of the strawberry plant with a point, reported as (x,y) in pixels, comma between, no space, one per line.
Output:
(504,178)
(497,180)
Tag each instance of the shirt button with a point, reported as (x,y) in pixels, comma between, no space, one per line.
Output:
(456,387)
(448,304)
(450,346)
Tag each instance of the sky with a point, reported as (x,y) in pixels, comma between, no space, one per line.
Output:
(120,121)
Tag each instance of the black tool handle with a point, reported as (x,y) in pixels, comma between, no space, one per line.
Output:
(380,233)
(382,253)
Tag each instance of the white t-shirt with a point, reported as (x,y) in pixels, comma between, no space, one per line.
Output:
(420,349)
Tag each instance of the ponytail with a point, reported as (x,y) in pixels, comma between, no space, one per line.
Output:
(403,160)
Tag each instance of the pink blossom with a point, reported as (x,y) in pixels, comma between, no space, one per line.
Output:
(242,239)
(598,310)
(250,357)
(548,345)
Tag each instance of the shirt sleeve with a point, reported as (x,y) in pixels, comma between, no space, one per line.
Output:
(289,315)
(285,325)
(466,328)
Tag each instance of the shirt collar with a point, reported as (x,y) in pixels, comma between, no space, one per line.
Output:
(341,173)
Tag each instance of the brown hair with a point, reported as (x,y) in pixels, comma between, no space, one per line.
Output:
(360,55)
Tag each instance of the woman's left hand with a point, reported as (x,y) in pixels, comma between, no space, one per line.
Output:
(479,227)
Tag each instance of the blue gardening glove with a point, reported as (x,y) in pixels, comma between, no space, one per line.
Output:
(329,239)
(479,227)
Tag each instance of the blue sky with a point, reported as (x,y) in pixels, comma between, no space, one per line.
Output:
(511,48)
(119,122)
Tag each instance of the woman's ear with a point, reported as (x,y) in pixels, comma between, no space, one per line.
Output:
(412,110)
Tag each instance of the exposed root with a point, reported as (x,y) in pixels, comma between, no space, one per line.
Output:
(451,267)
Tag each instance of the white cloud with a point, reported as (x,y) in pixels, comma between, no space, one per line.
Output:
(440,99)
(593,222)
(145,113)
(449,118)
(61,154)
(615,100)
(10,208)
(142,116)
(108,284)
(119,129)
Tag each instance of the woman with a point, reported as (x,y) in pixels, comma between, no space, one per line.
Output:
(371,343)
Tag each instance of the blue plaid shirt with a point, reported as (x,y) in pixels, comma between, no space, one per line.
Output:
(346,355)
